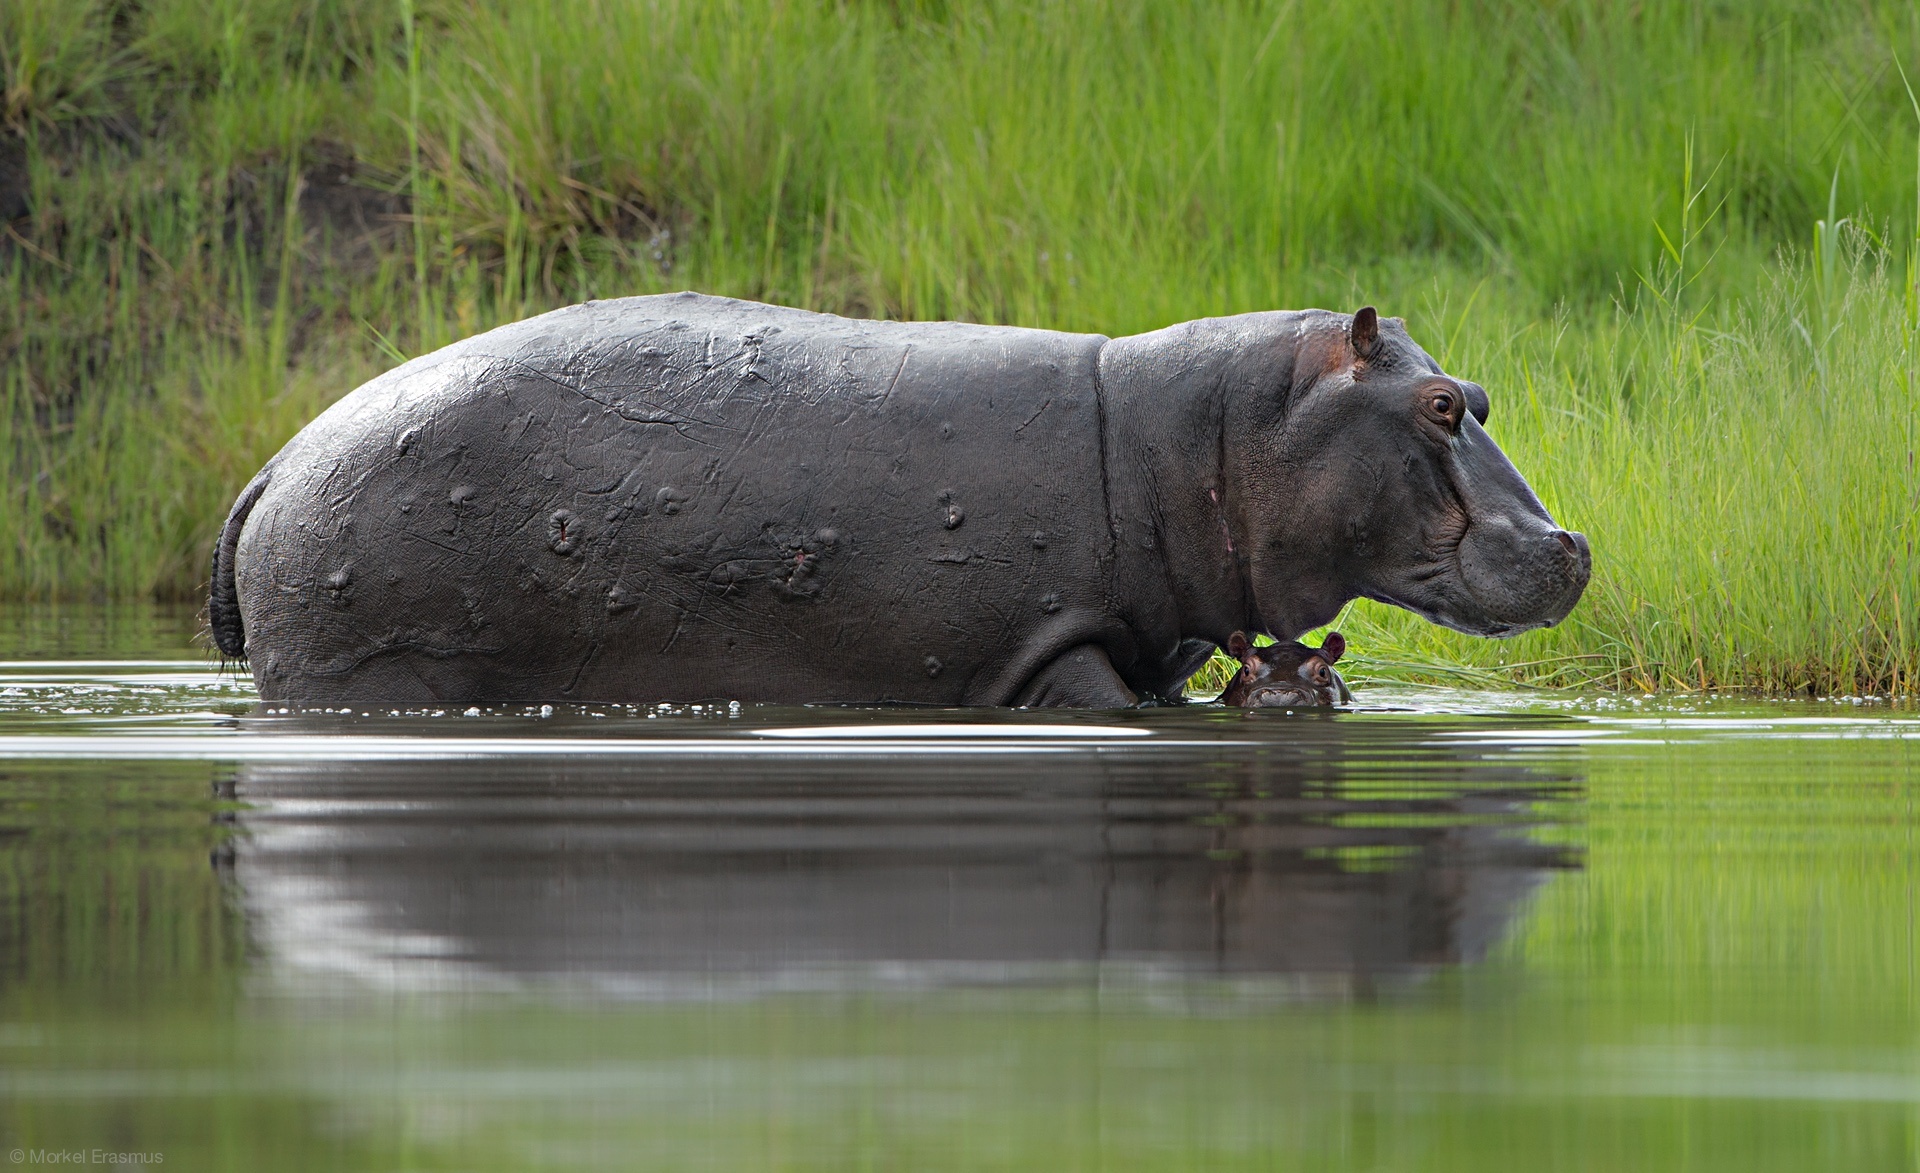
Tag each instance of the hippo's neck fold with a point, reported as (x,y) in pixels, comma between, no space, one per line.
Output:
(1179,519)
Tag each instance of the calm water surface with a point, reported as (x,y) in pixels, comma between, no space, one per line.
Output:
(1444,931)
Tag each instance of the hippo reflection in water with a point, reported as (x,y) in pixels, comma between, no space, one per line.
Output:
(685,497)
(698,875)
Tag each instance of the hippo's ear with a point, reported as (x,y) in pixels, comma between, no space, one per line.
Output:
(1237,645)
(1332,647)
(1365,334)
(1477,401)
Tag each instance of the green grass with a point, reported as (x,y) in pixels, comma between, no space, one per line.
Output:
(1606,213)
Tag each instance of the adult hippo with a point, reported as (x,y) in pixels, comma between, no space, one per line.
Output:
(688,497)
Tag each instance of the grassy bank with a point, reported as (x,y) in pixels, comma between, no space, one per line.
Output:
(225,213)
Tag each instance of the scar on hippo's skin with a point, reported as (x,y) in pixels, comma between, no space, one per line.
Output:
(1225,531)
(952,516)
(933,665)
(558,536)
(337,584)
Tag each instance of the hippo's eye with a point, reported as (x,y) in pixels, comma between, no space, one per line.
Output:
(1445,407)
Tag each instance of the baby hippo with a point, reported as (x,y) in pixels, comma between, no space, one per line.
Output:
(1287,675)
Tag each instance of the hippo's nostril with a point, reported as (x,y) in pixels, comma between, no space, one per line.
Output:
(1566,542)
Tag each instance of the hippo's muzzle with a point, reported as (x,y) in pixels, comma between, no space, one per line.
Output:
(1521,574)
(1513,568)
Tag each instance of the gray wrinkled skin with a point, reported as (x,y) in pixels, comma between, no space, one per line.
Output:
(688,497)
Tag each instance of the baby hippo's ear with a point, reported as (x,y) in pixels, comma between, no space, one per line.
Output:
(1237,645)
(1332,647)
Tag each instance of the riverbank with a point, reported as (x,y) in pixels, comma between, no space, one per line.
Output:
(223,216)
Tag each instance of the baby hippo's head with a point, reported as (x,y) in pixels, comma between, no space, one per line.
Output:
(1287,675)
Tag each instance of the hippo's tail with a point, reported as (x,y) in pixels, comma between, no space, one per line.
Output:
(223,597)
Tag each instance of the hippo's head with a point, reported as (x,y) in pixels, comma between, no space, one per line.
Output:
(1287,675)
(1371,476)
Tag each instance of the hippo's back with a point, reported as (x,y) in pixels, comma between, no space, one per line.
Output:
(684,497)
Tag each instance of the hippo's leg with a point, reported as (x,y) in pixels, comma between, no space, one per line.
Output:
(1079,678)
(1192,656)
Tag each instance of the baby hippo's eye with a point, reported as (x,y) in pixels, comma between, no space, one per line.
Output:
(1321,675)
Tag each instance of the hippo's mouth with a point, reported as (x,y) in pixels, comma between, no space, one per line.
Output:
(1299,696)
(1501,579)
(1282,697)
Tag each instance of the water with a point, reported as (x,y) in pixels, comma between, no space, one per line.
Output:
(1448,931)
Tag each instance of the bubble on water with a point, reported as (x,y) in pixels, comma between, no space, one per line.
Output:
(546,710)
(472,712)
